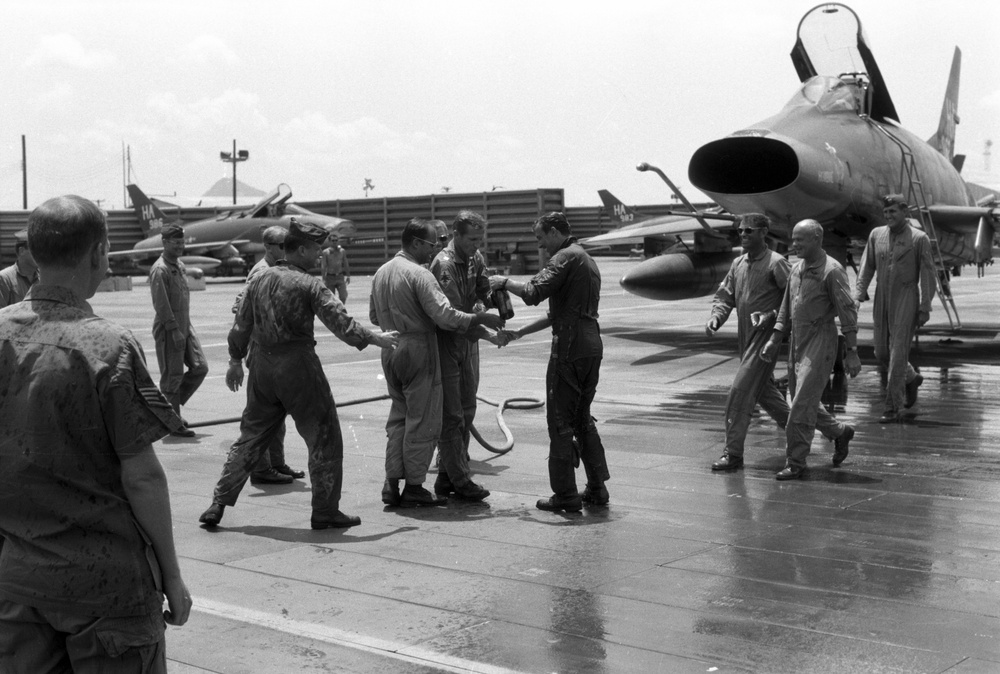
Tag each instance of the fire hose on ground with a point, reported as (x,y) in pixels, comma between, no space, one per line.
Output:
(505,404)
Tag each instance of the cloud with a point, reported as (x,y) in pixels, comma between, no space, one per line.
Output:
(991,101)
(365,136)
(231,109)
(66,50)
(205,50)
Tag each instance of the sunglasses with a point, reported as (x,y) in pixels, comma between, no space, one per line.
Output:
(429,243)
(747,230)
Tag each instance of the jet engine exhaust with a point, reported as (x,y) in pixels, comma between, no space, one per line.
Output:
(678,276)
(743,165)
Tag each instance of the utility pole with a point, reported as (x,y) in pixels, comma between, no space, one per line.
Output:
(234,159)
(24,171)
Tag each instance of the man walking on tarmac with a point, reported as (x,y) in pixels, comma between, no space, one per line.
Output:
(755,284)
(900,255)
(460,270)
(287,377)
(177,345)
(406,298)
(571,282)
(817,293)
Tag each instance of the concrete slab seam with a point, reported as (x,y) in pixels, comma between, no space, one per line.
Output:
(361,642)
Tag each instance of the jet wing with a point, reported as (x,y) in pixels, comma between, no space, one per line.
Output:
(661,226)
(189,249)
(830,41)
(962,219)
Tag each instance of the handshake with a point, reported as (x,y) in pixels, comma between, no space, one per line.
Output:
(502,337)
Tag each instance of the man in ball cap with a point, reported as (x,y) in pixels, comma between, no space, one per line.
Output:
(16,279)
(901,257)
(177,345)
(279,311)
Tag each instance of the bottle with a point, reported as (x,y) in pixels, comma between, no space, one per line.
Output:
(501,300)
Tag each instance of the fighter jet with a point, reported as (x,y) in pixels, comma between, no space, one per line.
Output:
(228,235)
(829,154)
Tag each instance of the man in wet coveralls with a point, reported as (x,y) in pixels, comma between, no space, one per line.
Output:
(407,298)
(84,505)
(272,468)
(460,270)
(287,377)
(817,293)
(571,282)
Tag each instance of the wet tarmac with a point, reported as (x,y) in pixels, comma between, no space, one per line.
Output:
(890,563)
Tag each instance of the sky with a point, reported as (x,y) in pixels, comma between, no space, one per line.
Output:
(420,96)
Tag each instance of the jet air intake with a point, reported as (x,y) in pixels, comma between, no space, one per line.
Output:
(743,165)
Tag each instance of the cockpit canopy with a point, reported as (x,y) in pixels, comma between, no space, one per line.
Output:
(830,95)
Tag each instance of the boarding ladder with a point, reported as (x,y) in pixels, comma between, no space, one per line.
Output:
(909,177)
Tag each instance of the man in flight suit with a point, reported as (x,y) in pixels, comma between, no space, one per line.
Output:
(279,310)
(177,345)
(901,257)
(17,279)
(817,293)
(571,282)
(756,284)
(335,268)
(406,298)
(272,468)
(460,270)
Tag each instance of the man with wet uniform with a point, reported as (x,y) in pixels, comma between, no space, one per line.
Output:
(900,255)
(279,310)
(272,468)
(571,282)
(335,269)
(407,298)
(460,270)
(817,293)
(84,503)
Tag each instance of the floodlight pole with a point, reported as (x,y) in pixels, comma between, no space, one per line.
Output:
(234,159)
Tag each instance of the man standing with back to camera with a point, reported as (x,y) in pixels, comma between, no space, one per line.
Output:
(287,378)
(177,345)
(271,469)
(571,282)
(84,504)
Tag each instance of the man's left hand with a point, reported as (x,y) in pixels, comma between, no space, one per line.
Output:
(853,363)
(922,318)
(347,280)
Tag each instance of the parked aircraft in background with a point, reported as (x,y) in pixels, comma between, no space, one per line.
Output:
(829,154)
(230,235)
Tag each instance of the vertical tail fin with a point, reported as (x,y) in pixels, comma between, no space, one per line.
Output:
(619,212)
(151,218)
(944,140)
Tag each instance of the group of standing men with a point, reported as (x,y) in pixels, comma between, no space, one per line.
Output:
(89,552)
(436,304)
(774,301)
